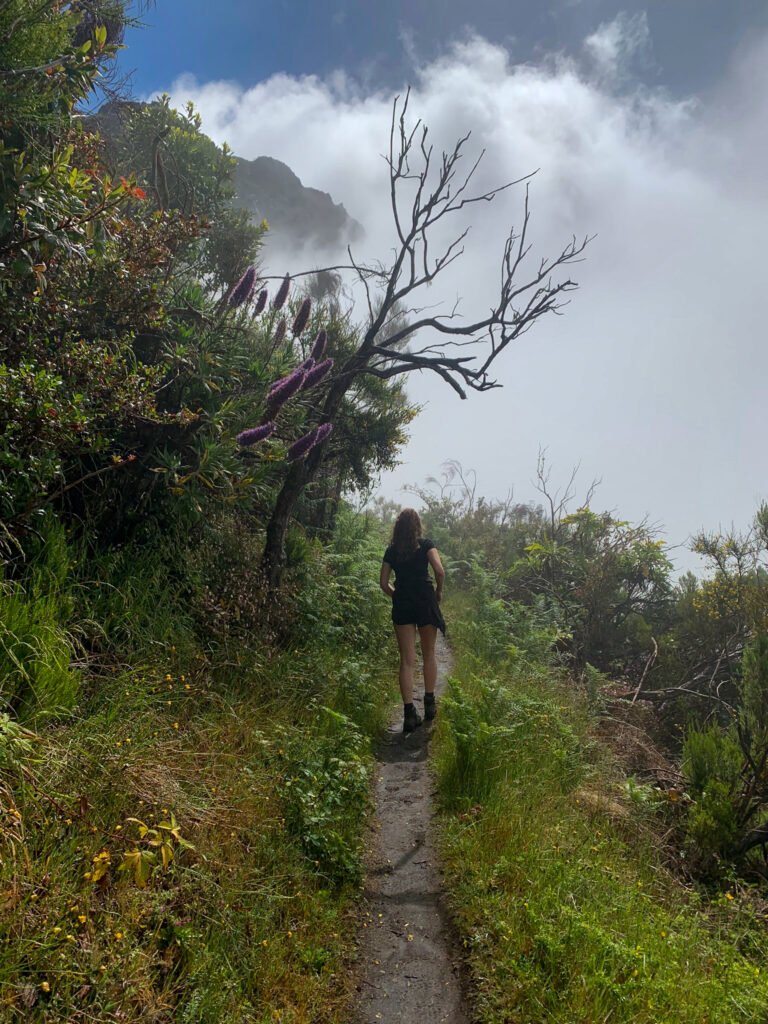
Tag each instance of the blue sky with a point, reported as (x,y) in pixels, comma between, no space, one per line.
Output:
(377,42)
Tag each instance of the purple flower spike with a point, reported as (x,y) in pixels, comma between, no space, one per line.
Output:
(283,389)
(243,290)
(315,375)
(303,446)
(318,349)
(323,431)
(302,317)
(260,302)
(306,443)
(280,331)
(282,293)
(307,365)
(255,434)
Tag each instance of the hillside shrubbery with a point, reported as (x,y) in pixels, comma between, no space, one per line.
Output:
(598,594)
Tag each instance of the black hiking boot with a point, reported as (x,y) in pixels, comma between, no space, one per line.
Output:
(430,707)
(411,719)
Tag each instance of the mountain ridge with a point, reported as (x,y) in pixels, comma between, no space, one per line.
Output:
(297,214)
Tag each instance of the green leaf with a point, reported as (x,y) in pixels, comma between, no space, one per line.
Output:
(140,863)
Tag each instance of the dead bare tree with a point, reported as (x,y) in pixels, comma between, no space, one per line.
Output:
(558,502)
(401,335)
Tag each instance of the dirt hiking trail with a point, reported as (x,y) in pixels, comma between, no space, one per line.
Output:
(409,965)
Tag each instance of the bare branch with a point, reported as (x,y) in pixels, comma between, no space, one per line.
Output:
(363,278)
(434,365)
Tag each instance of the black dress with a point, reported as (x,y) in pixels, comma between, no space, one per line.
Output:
(414,601)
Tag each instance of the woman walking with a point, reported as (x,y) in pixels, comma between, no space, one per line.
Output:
(415,606)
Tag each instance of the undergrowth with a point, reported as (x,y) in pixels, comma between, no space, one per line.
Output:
(183,842)
(557,880)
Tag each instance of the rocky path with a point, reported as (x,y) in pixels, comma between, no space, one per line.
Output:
(408,963)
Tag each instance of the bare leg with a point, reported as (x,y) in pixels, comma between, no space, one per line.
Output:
(406,641)
(428,636)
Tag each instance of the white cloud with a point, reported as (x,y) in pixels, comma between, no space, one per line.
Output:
(654,378)
(615,46)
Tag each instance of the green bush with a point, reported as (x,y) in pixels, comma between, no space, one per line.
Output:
(326,795)
(725,771)
(502,736)
(15,744)
(710,755)
(136,602)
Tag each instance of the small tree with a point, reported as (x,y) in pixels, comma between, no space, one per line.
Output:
(426,191)
(715,618)
(727,771)
(606,580)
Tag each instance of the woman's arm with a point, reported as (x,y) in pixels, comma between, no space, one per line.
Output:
(384,583)
(433,558)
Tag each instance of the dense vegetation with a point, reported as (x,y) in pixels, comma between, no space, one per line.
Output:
(601,762)
(185,734)
(184,755)
(562,873)
(688,656)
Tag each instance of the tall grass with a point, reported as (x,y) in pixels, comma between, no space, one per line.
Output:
(558,885)
(36,643)
(245,763)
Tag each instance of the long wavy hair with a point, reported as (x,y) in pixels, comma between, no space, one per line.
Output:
(406,532)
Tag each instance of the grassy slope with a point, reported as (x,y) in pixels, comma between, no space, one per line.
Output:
(557,884)
(262,761)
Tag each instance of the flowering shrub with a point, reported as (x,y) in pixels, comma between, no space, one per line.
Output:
(319,345)
(302,318)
